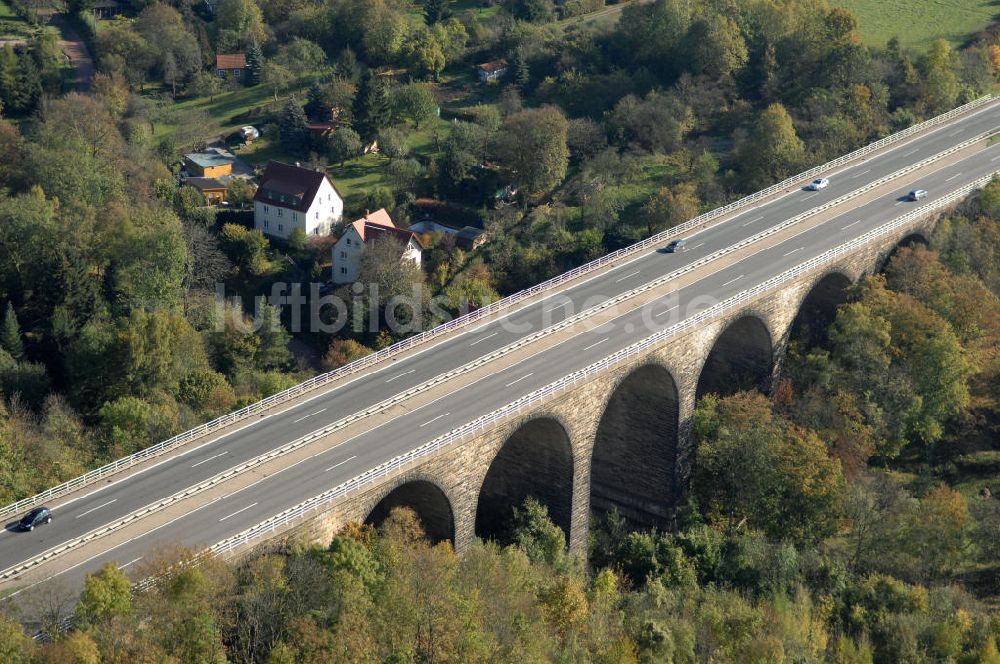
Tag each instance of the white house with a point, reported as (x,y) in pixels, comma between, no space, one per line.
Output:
(290,197)
(347,252)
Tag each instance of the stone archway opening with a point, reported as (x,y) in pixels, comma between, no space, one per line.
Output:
(430,504)
(536,461)
(908,241)
(633,464)
(741,359)
(818,310)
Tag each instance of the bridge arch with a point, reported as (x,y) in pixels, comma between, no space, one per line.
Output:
(427,500)
(915,237)
(741,358)
(634,454)
(536,460)
(818,309)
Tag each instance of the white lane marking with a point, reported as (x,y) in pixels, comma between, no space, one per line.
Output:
(489,336)
(405,373)
(861,173)
(434,420)
(844,228)
(753,221)
(308,416)
(475,328)
(794,250)
(560,306)
(519,379)
(130,562)
(953,177)
(630,274)
(733,281)
(664,313)
(97,508)
(337,465)
(597,343)
(159,527)
(323,394)
(955,133)
(912,152)
(238,511)
(897,203)
(806,198)
(210,458)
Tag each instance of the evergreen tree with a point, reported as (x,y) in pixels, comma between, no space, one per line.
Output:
(315,108)
(10,334)
(255,63)
(521,73)
(293,128)
(434,11)
(372,111)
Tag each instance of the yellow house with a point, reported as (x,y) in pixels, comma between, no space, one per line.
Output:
(210,163)
(215,190)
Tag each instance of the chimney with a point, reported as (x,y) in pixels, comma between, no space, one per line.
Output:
(367,211)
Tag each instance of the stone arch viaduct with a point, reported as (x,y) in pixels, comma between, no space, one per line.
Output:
(622,440)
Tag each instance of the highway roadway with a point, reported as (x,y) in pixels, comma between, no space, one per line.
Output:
(240,510)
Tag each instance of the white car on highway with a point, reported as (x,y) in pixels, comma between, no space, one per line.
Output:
(817,184)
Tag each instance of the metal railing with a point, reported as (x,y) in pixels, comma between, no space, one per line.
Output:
(471,317)
(299,512)
(381,406)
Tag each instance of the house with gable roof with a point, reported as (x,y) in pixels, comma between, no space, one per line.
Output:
(290,197)
(350,247)
(230,65)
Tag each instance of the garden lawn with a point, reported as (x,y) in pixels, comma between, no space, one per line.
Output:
(12,26)
(917,23)
(224,110)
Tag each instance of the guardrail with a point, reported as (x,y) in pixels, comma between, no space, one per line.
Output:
(299,512)
(466,368)
(480,314)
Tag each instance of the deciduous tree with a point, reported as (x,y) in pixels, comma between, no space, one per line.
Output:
(532,146)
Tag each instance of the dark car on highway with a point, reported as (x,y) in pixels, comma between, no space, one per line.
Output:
(35,517)
(675,246)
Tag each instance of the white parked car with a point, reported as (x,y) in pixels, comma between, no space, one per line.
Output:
(816,185)
(917,194)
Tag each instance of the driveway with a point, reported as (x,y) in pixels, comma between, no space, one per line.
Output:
(74,48)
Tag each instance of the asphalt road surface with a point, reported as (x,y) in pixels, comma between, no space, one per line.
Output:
(240,510)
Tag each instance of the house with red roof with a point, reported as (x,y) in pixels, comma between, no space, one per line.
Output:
(230,65)
(290,197)
(349,249)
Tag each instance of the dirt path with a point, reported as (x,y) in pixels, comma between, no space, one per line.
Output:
(74,48)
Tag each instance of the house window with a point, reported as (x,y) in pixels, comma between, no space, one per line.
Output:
(281,227)
(295,216)
(281,212)
(265,224)
(343,270)
(265,209)
(343,254)
(317,214)
(236,73)
(348,241)
(316,231)
(222,73)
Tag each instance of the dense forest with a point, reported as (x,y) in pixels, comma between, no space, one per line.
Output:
(867,531)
